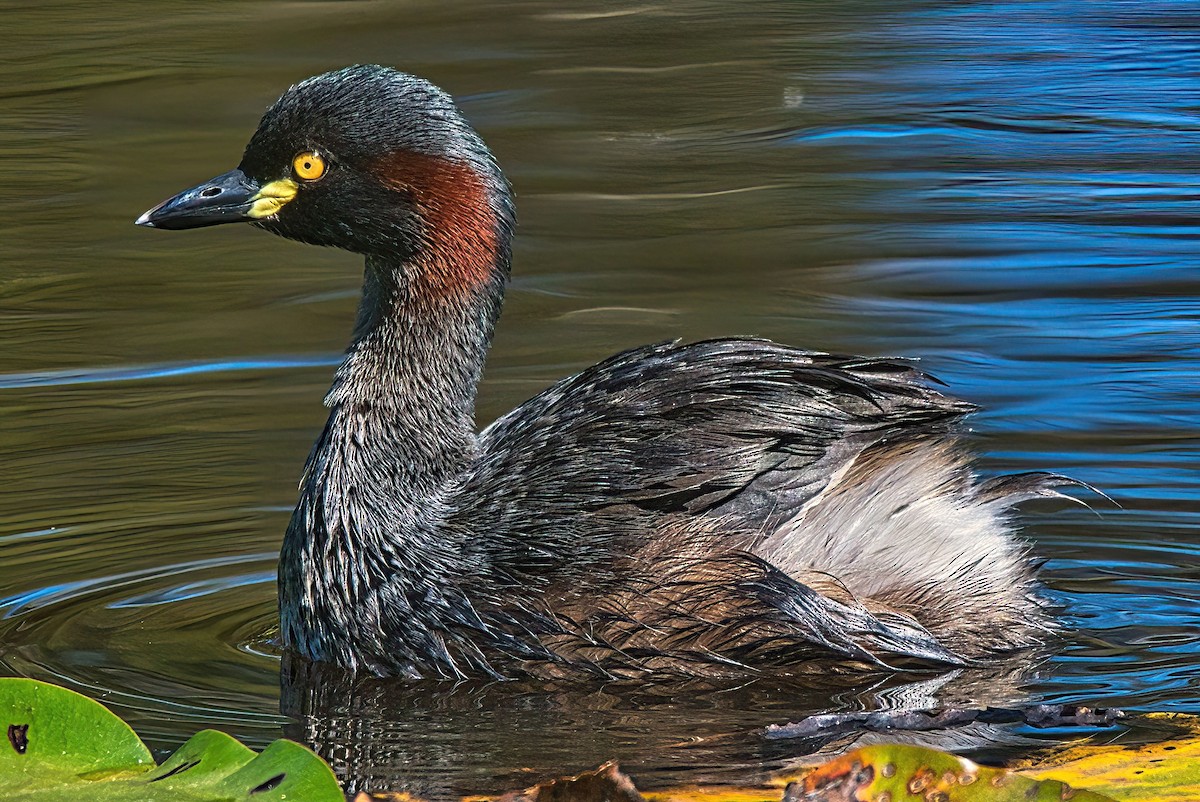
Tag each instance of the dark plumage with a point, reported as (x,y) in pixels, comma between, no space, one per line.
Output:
(723,506)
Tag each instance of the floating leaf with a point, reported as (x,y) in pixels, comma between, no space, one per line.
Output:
(605,784)
(61,745)
(898,772)
(717,793)
(1162,772)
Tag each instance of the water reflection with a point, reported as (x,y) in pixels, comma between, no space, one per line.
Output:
(443,740)
(1004,190)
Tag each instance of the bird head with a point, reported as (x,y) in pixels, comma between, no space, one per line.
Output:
(364,158)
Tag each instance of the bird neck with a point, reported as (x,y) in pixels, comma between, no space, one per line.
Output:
(402,405)
(404,395)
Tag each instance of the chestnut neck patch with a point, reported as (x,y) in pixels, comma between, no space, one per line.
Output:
(459,249)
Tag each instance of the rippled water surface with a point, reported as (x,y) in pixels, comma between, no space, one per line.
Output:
(1006,190)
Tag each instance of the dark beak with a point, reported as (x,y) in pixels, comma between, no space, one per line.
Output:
(227,198)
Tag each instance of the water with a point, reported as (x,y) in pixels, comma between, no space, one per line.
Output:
(1005,190)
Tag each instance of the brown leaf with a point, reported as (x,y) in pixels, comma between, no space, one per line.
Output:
(605,784)
(386,796)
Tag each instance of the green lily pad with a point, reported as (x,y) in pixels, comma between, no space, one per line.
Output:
(61,745)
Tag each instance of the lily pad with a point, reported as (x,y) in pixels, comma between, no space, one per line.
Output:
(62,745)
(1168,771)
(899,772)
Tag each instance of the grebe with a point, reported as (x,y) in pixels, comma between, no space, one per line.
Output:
(725,506)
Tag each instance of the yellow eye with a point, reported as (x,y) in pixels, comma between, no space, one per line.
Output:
(309,165)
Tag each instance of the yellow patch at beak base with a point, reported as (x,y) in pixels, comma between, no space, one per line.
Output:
(272,197)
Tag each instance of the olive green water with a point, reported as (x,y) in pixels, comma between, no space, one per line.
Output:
(1007,191)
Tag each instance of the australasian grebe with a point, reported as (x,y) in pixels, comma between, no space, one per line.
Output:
(722,506)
